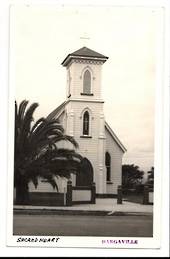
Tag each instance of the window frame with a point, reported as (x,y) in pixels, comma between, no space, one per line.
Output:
(87,68)
(86,123)
(108,166)
(82,123)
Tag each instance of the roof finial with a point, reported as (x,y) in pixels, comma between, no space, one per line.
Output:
(85,38)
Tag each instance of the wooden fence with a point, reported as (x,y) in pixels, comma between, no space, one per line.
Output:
(147,195)
(80,194)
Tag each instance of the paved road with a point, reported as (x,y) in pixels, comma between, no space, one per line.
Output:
(78,225)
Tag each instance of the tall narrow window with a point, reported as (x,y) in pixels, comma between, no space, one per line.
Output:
(86,123)
(108,166)
(87,82)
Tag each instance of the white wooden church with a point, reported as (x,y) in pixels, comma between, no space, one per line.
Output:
(82,117)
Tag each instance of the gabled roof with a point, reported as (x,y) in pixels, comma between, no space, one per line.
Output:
(115,137)
(57,111)
(84,53)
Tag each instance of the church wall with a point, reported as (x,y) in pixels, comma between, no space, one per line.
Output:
(99,140)
(116,163)
(89,147)
(76,85)
(78,108)
(44,186)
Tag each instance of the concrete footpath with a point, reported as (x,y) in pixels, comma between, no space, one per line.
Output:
(107,206)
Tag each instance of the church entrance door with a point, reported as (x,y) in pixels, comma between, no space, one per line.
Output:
(85,175)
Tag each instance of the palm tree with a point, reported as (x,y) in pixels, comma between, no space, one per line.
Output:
(36,153)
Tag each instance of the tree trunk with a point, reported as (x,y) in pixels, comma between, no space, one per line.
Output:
(22,194)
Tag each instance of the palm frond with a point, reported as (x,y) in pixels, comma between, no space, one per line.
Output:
(22,110)
(37,124)
(70,139)
(28,118)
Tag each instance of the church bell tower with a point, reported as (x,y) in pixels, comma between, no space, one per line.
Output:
(84,110)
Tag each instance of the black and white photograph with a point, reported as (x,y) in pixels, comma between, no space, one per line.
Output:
(84,162)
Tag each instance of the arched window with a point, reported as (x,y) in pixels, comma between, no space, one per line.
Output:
(108,166)
(86,123)
(87,82)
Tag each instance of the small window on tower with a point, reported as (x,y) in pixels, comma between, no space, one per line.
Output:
(86,123)
(87,82)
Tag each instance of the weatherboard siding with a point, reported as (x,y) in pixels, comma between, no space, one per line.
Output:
(116,163)
(90,148)
(101,138)
(76,83)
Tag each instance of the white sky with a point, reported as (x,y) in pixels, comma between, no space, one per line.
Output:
(41,37)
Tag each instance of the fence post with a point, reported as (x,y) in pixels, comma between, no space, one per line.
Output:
(119,194)
(69,194)
(146,195)
(93,193)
